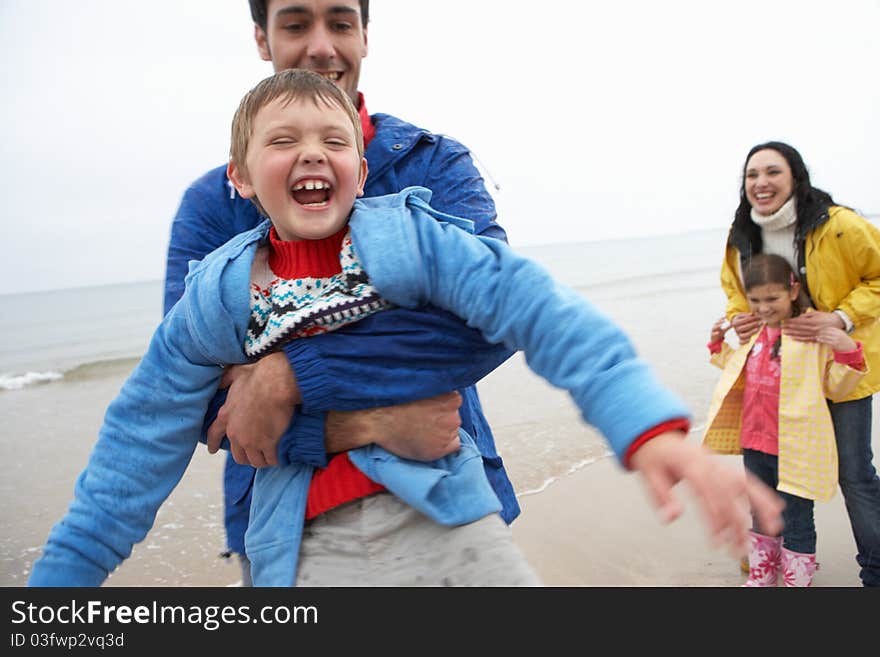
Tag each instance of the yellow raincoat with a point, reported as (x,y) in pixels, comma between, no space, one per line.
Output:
(807,449)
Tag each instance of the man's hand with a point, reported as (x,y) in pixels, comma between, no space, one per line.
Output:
(806,327)
(725,494)
(422,430)
(258,409)
(745,325)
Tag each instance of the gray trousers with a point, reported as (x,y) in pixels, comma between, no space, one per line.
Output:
(380,541)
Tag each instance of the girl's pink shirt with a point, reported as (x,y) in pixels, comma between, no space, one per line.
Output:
(760,415)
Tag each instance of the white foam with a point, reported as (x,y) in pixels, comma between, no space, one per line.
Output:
(19,381)
(574,468)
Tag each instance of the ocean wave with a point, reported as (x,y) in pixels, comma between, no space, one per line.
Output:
(83,372)
(19,381)
(582,463)
(571,470)
(101,368)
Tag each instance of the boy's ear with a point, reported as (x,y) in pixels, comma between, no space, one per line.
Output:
(239,180)
(262,43)
(363,177)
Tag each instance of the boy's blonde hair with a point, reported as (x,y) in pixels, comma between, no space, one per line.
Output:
(289,85)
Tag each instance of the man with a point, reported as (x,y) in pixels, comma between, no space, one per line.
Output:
(362,384)
(352,392)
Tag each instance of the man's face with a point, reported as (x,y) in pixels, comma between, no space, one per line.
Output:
(324,36)
(303,165)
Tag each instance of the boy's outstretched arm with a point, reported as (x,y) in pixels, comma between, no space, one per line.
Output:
(566,340)
(724,494)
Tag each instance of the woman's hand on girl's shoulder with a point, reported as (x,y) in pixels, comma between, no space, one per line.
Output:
(806,327)
(835,338)
(745,325)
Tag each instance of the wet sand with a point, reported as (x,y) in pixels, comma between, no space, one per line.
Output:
(596,528)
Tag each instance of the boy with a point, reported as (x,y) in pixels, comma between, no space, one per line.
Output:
(316,265)
(401,377)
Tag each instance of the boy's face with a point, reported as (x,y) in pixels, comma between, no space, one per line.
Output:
(303,165)
(324,36)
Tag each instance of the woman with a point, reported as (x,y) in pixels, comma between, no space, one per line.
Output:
(836,254)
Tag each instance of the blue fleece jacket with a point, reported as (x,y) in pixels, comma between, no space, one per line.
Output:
(413,255)
(390,358)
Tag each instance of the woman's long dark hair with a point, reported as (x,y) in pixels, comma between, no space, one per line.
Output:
(811,201)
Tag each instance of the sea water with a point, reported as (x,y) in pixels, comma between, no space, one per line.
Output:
(54,335)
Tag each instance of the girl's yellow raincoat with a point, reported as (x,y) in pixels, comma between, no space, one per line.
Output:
(807,450)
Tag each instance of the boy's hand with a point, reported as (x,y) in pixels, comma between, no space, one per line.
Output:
(719,330)
(725,493)
(258,409)
(745,325)
(835,338)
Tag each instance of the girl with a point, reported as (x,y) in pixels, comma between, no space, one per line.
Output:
(770,406)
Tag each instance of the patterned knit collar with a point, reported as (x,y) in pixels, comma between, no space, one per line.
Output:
(305,258)
(783,218)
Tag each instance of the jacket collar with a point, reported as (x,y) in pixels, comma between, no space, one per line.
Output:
(393,140)
(809,224)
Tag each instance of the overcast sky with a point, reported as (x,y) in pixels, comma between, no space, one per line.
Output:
(598,120)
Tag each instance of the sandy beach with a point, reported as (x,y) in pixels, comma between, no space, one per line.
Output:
(572,539)
(585,522)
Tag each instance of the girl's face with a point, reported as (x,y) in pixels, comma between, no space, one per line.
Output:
(772,302)
(768,181)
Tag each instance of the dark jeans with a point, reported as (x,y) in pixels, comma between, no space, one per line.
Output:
(799,533)
(859,482)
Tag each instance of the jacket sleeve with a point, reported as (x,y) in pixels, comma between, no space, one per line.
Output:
(840,379)
(859,244)
(731,284)
(720,358)
(512,300)
(146,442)
(397,355)
(205,220)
